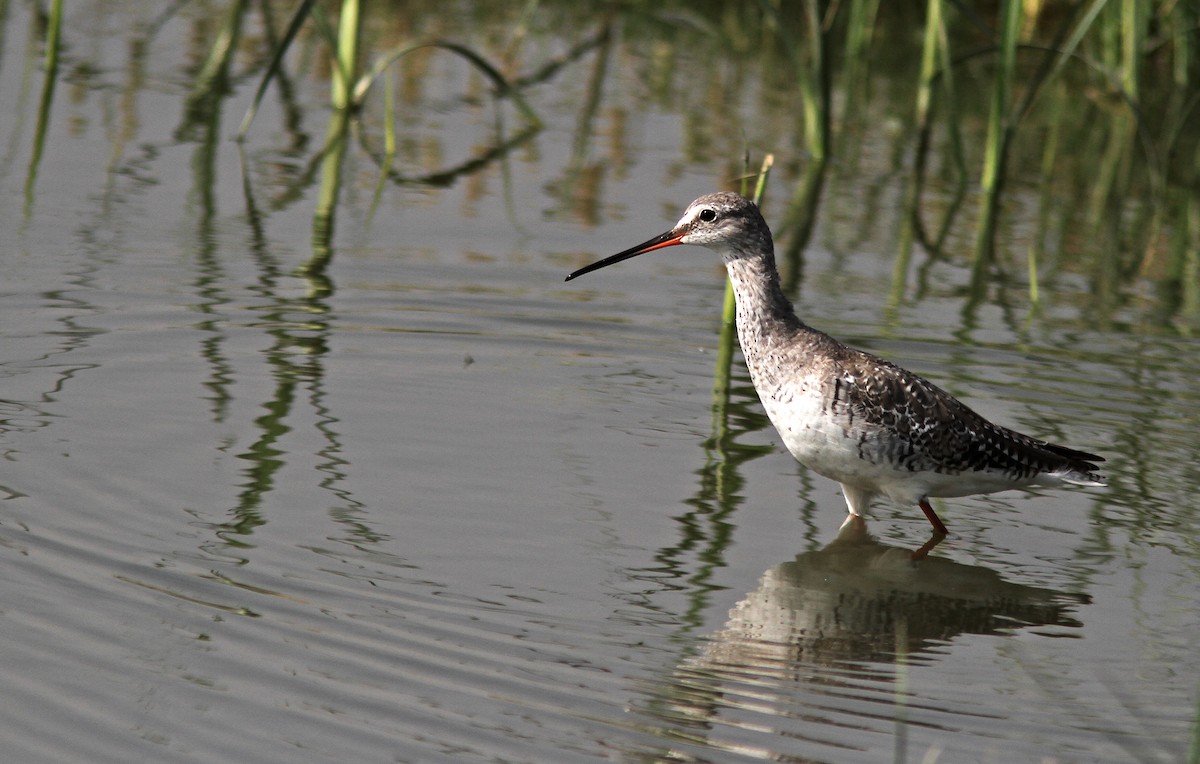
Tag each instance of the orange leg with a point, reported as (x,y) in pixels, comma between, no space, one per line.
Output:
(934,520)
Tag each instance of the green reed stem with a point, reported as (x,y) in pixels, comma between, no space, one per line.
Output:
(996,149)
(298,18)
(729,312)
(1133,32)
(53,36)
(389,142)
(1049,159)
(993,163)
(1182,37)
(813,90)
(811,73)
(937,70)
(929,58)
(346,55)
(760,188)
(325,214)
(860,27)
(389,118)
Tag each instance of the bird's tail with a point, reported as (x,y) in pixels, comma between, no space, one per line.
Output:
(1079,467)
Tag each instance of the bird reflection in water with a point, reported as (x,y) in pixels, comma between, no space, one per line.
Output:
(853,599)
(831,621)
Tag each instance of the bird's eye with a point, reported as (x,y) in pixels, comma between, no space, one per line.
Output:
(708,215)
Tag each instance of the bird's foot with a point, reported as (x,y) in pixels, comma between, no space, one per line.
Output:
(853,521)
(928,546)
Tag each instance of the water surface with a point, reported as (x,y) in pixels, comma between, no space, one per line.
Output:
(438,505)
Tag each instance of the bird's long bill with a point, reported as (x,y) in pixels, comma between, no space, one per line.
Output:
(668,239)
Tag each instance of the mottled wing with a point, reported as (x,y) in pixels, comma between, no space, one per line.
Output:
(918,426)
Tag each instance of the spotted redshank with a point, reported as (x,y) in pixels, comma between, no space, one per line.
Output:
(846,414)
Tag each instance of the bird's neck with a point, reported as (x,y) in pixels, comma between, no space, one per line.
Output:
(762,308)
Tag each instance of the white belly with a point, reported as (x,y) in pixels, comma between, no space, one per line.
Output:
(820,442)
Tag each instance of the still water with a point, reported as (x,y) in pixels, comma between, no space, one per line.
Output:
(437,505)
